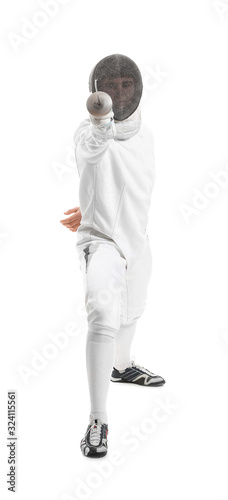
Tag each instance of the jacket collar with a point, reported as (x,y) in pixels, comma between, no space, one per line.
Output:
(126,129)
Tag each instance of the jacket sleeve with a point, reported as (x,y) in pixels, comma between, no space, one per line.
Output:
(91,142)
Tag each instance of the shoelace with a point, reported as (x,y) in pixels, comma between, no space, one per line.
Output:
(141,367)
(95,433)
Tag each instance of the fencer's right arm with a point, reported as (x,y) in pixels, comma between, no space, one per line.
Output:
(92,141)
(93,137)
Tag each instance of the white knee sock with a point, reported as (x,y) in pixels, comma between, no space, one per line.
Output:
(123,341)
(99,363)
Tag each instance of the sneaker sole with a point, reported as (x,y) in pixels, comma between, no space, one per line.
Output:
(96,455)
(121,381)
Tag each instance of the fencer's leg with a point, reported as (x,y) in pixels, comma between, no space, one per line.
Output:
(105,268)
(123,342)
(99,363)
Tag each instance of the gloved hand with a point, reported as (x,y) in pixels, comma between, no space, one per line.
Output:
(102,121)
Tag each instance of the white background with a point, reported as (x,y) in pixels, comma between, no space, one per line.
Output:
(181,49)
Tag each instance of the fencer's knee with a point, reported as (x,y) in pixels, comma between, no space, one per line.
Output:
(104,311)
(129,323)
(100,334)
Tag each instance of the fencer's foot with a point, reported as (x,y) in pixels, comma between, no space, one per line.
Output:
(95,442)
(136,374)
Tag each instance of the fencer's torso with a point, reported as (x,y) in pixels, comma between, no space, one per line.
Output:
(117,173)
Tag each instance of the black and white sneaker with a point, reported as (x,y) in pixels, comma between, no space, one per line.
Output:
(136,374)
(95,442)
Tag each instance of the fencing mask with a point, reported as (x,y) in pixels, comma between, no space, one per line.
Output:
(118,76)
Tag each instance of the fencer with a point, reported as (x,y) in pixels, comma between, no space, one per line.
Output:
(114,154)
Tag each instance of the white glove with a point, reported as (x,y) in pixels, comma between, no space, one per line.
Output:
(102,121)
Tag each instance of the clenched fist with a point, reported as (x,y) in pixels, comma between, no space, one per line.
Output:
(72,222)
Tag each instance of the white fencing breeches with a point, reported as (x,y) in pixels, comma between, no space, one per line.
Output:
(114,294)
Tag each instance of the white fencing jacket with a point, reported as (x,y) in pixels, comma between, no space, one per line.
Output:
(117,173)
